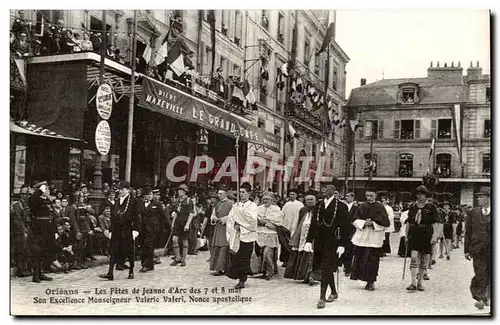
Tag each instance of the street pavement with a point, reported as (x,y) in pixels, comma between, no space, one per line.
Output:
(446,293)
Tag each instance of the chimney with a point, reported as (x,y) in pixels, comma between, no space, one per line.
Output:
(446,72)
(363,81)
(474,72)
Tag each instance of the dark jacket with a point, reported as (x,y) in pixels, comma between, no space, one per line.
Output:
(124,220)
(21,48)
(477,232)
(150,217)
(340,226)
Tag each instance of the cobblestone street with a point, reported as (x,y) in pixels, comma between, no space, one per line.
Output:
(444,295)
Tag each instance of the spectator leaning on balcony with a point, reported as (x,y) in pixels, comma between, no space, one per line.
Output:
(21,47)
(218,84)
(67,43)
(86,44)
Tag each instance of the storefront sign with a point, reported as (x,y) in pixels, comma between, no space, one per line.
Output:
(171,102)
(103,137)
(104,101)
(20,167)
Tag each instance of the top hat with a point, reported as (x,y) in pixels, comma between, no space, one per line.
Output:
(484,190)
(146,191)
(223,187)
(423,190)
(124,184)
(37,185)
(184,188)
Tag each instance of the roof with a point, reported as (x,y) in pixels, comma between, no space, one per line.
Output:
(431,91)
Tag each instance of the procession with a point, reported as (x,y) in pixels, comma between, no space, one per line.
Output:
(183,175)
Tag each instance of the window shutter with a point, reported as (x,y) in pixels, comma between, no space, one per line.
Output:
(417,129)
(396,129)
(381,129)
(433,128)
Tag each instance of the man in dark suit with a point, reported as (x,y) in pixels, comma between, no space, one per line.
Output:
(330,232)
(44,229)
(151,213)
(124,224)
(21,47)
(477,246)
(352,206)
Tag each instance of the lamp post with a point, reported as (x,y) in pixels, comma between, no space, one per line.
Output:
(237,146)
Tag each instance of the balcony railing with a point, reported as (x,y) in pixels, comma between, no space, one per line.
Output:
(305,116)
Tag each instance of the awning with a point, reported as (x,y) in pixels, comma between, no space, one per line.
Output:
(17,129)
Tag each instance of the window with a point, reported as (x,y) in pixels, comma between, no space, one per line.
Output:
(313,152)
(281,28)
(487,128)
(444,129)
(371,129)
(407,129)
(307,52)
(96,24)
(405,165)
(208,60)
(316,63)
(486,163)
(261,123)
(488,94)
(408,95)
(443,165)
(332,159)
(263,93)
(335,76)
(223,65)
(237,28)
(277,130)
(265,20)
(236,70)
(44,17)
(370,165)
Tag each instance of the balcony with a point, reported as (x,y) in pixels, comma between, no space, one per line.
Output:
(308,117)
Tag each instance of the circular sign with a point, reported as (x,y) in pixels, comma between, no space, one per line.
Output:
(104,101)
(103,137)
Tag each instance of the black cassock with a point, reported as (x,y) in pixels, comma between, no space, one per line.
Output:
(327,235)
(124,220)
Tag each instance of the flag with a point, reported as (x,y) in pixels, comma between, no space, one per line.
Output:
(178,65)
(294,85)
(330,34)
(354,125)
(457,116)
(322,148)
(299,85)
(238,94)
(432,148)
(291,131)
(248,93)
(147,54)
(161,54)
(284,69)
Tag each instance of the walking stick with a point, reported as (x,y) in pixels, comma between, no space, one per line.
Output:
(406,255)
(166,244)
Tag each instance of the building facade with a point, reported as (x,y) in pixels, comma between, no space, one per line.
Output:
(242,39)
(401,117)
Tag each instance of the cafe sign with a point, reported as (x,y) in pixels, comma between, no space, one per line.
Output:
(104,101)
(103,137)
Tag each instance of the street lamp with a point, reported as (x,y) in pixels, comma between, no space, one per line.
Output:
(236,146)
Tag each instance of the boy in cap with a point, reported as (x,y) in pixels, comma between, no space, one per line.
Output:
(478,246)
(420,235)
(183,215)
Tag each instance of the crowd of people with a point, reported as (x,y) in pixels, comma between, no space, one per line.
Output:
(312,234)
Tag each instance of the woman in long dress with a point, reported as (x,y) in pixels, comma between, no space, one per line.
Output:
(269,216)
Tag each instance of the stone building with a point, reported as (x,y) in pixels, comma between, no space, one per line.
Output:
(399,119)
(242,39)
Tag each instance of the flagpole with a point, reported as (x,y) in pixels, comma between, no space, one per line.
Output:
(128,162)
(370,175)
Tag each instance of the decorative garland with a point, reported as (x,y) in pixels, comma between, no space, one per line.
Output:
(126,207)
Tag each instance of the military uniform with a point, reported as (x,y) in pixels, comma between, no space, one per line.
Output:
(43,235)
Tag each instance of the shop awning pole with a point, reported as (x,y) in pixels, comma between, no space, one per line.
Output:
(128,162)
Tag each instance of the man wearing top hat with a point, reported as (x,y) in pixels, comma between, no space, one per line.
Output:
(124,221)
(183,215)
(151,213)
(330,231)
(43,231)
(421,233)
(478,246)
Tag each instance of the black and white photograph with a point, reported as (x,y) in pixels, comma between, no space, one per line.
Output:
(250,162)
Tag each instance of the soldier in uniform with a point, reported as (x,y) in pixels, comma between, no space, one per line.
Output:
(19,233)
(124,221)
(151,213)
(43,231)
(330,231)
(478,246)
(183,215)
